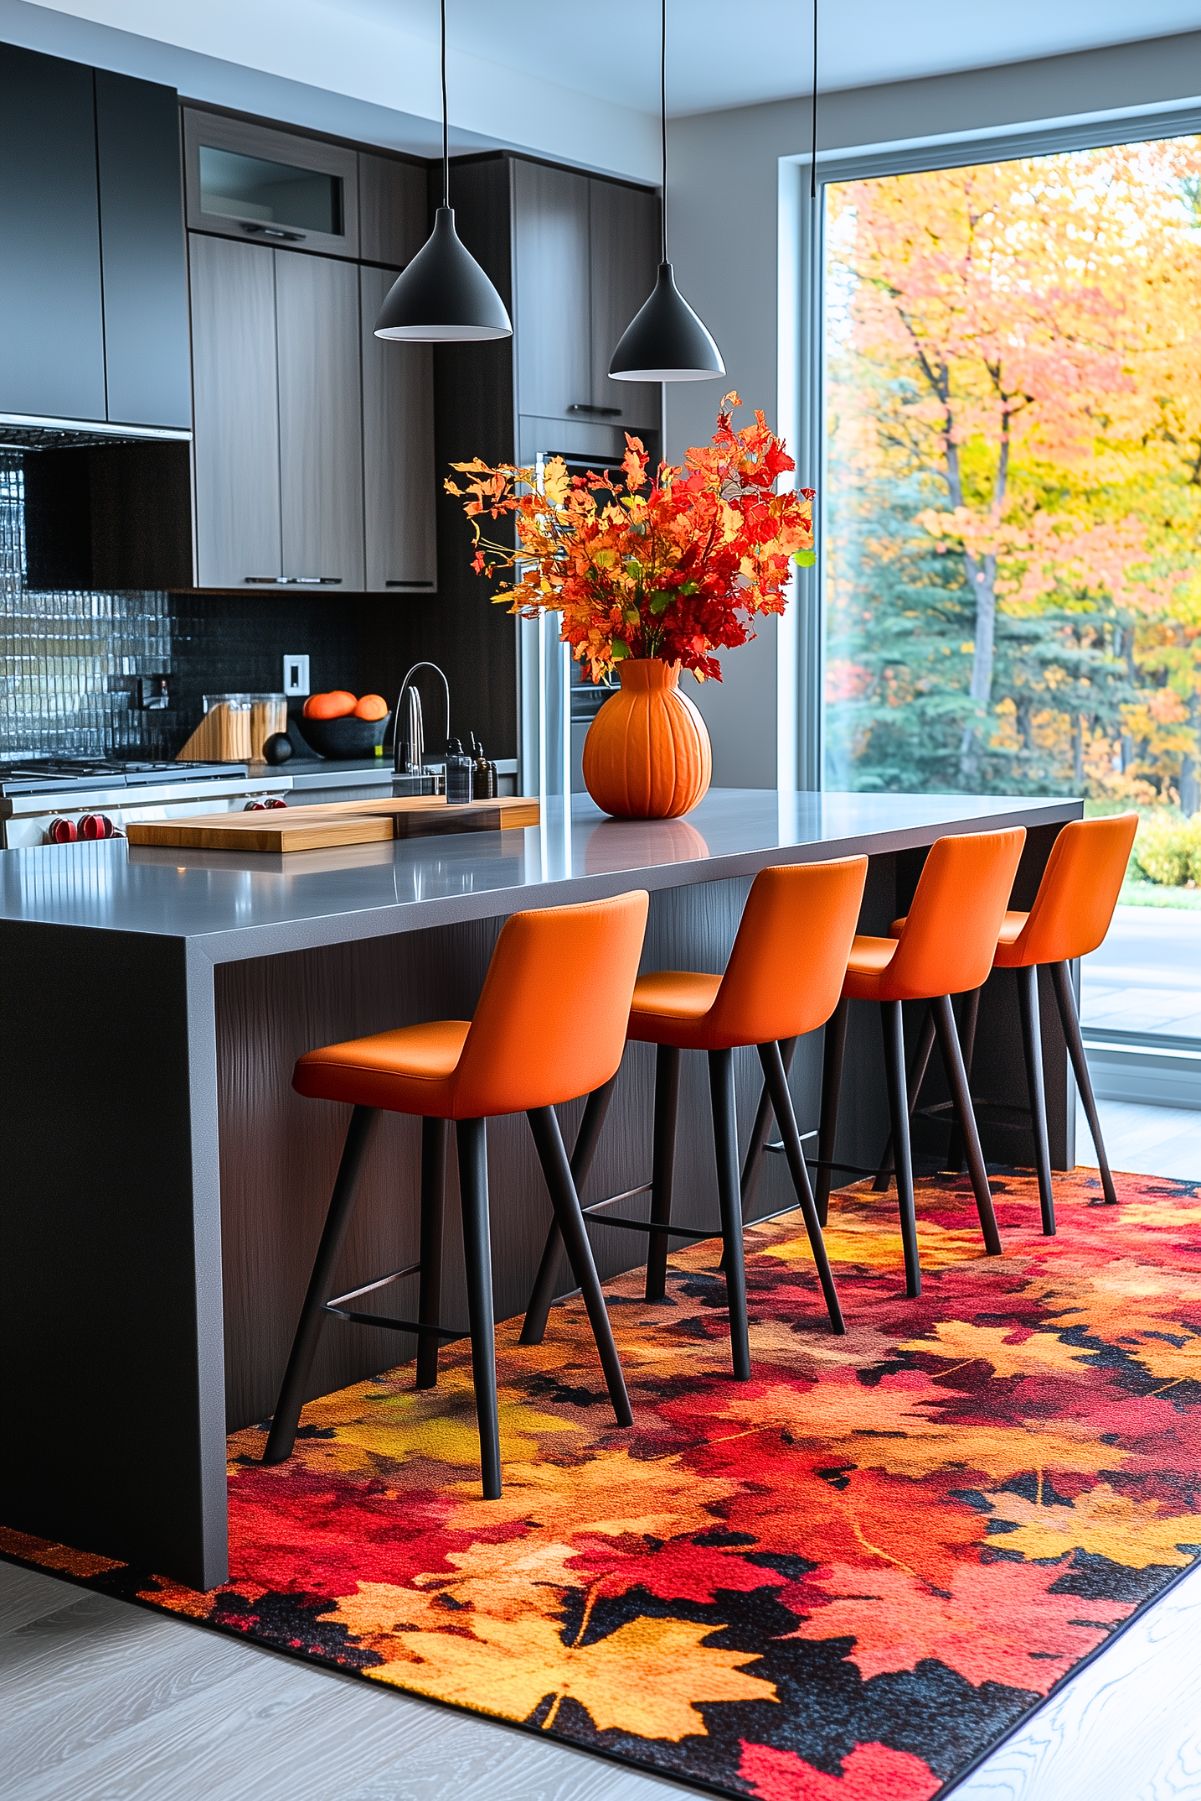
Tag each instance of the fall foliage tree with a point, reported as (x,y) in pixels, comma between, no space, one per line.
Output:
(1014,494)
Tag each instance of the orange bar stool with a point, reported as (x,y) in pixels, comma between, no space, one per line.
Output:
(549,1026)
(945,947)
(783,979)
(1072,911)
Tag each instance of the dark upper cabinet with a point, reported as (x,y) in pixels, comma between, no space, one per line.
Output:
(624,252)
(393,210)
(51,311)
(551,275)
(585,252)
(252,181)
(142,252)
(235,449)
(398,451)
(320,420)
(93,302)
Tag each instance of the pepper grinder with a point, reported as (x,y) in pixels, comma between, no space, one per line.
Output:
(484,782)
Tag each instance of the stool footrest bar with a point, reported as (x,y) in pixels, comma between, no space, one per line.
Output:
(777,1144)
(356,1318)
(352,1294)
(610,1200)
(646,1225)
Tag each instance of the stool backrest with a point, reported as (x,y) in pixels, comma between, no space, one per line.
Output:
(789,960)
(1079,889)
(949,938)
(551,1020)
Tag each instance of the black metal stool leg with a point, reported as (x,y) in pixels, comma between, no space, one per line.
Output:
(952,1055)
(667,1106)
(477,1249)
(752,1163)
(917,1075)
(833,1049)
(566,1202)
(312,1316)
(725,1142)
(898,1102)
(433,1193)
(967,1039)
(1065,996)
(1032,1047)
(546,1282)
(776,1080)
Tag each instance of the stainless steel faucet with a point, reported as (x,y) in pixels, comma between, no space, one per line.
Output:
(408,731)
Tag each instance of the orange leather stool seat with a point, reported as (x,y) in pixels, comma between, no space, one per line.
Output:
(1068,918)
(549,1027)
(783,979)
(945,947)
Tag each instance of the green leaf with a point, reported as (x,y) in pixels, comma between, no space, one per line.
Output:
(660,600)
(620,649)
(805,559)
(634,569)
(689,587)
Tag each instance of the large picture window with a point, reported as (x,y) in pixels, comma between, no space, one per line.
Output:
(1012,554)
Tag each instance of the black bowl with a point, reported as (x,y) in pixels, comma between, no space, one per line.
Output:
(349,737)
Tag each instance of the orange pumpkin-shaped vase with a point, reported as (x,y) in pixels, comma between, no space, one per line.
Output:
(647,754)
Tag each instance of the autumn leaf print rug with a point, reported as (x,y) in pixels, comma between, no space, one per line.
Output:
(844,1580)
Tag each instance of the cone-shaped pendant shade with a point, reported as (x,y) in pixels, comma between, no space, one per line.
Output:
(665,340)
(443,297)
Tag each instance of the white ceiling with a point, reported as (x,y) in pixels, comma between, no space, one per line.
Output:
(571,79)
(724,54)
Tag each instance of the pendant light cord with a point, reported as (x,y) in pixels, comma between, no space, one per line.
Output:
(813,141)
(445,123)
(663,129)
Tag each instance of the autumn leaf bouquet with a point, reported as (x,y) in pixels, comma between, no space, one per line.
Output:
(672,565)
(652,572)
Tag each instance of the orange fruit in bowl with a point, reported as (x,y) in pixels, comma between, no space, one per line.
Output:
(336,704)
(372,706)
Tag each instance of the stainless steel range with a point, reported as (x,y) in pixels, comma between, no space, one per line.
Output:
(53,800)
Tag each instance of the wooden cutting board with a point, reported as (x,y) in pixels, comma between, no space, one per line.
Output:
(285,829)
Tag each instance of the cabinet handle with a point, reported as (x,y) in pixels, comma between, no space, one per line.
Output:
(603,412)
(276,233)
(272,581)
(314,581)
(390,583)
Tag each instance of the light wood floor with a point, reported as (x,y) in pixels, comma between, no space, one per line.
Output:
(100,1701)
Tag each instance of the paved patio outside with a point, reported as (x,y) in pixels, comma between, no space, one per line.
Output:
(1146,977)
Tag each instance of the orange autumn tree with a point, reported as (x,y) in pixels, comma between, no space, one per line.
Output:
(673,563)
(1016,459)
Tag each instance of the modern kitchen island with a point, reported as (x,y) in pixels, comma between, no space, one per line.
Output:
(164,1186)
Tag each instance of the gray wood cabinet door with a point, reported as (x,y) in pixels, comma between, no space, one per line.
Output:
(51,331)
(393,209)
(398,452)
(624,252)
(320,420)
(235,452)
(551,311)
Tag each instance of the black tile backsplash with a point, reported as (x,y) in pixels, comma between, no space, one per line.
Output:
(69,659)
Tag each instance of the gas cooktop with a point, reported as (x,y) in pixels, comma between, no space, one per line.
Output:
(38,775)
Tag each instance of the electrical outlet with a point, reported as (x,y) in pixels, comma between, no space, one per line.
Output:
(296,674)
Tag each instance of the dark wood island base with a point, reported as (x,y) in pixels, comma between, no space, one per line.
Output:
(165,1188)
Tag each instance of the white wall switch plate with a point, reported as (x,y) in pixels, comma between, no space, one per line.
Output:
(296,674)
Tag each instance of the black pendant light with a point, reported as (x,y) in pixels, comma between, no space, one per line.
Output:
(665,340)
(443,297)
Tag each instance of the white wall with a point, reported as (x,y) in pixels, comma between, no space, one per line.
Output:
(725,227)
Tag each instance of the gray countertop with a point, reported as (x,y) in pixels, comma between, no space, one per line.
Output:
(229,905)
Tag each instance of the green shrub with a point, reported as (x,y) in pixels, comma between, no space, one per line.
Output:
(1167,850)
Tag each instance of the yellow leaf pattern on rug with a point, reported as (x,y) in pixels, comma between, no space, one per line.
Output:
(649,1677)
(1102,1521)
